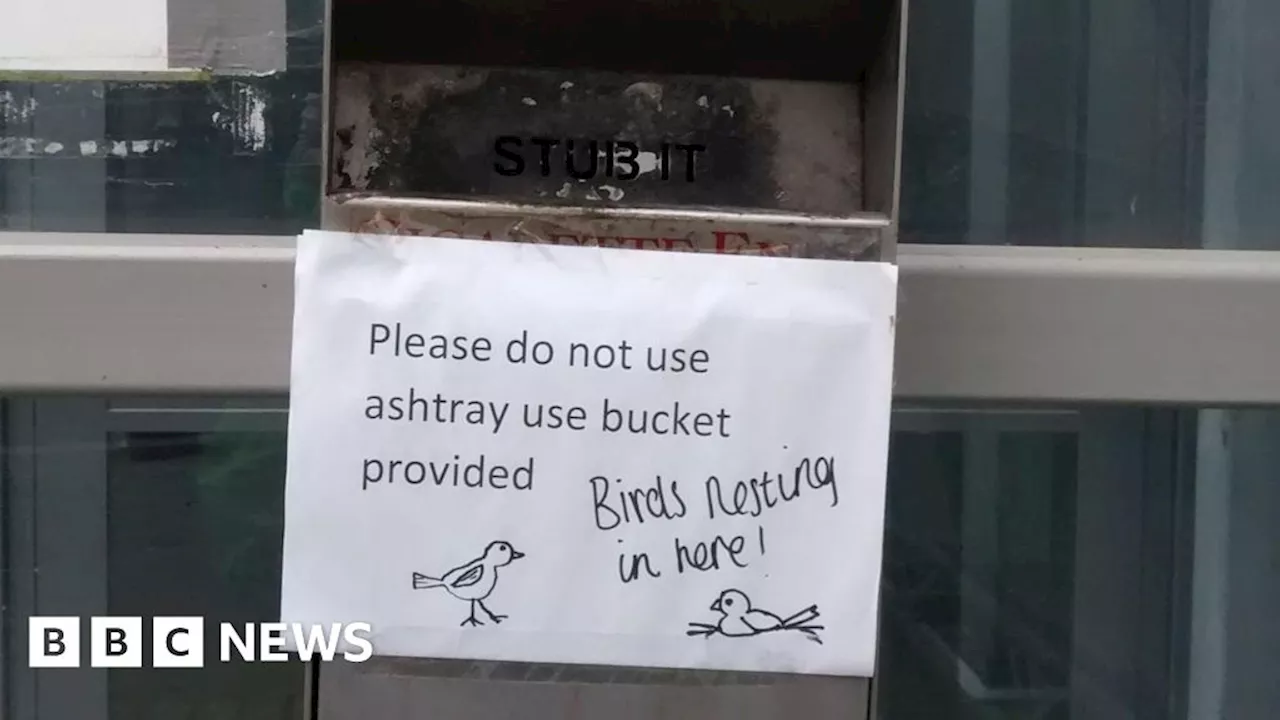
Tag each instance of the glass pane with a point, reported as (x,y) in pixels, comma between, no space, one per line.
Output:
(221,152)
(1092,122)
(144,509)
(1070,564)
(195,523)
(979,573)
(1082,565)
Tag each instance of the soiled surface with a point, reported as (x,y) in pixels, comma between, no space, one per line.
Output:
(731,234)
(634,139)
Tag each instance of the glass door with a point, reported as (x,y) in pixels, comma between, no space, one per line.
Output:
(146,508)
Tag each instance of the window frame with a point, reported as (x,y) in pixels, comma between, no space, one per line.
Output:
(196,314)
(183,315)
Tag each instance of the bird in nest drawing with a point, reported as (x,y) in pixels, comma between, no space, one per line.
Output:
(739,619)
(473,581)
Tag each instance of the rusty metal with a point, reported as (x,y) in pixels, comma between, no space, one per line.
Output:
(851,237)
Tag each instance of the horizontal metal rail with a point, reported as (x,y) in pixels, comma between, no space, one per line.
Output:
(213,314)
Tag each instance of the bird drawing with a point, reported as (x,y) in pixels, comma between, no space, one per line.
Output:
(739,619)
(473,581)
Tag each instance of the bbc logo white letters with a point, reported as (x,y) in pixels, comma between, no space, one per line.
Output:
(116,642)
(53,642)
(179,642)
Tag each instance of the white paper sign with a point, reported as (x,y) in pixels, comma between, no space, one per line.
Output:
(558,454)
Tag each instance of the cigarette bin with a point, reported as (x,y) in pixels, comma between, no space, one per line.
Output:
(733,126)
(769,126)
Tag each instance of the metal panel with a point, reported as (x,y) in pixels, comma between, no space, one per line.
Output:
(777,161)
(798,39)
(214,314)
(773,148)
(211,313)
(1105,325)
(884,107)
(853,237)
(403,690)
(582,136)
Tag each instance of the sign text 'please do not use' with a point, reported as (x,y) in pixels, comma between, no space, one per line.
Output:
(557,454)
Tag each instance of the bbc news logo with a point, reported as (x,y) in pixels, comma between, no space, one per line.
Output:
(178,642)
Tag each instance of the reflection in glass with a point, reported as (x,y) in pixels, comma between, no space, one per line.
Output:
(226,153)
(1114,563)
(1092,122)
(979,566)
(1100,564)
(195,526)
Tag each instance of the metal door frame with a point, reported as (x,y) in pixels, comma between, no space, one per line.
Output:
(212,314)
